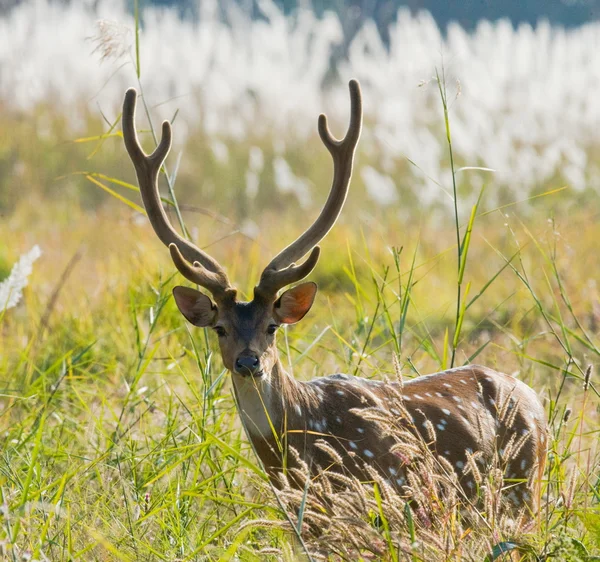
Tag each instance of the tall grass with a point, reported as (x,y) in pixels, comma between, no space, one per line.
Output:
(119,435)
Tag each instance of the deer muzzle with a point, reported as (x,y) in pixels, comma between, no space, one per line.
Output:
(248,365)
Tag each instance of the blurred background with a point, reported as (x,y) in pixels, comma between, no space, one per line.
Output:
(245,81)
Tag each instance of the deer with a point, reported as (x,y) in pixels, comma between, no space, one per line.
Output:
(473,410)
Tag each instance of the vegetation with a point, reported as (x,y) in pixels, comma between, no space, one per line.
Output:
(119,435)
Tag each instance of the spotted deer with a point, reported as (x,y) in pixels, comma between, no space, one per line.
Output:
(473,410)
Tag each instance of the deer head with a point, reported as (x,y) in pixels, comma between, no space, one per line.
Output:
(246,330)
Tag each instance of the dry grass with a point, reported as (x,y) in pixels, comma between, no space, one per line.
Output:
(120,439)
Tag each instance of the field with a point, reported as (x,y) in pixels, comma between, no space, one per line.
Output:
(120,439)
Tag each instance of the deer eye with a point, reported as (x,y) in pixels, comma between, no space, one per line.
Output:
(221,332)
(272,329)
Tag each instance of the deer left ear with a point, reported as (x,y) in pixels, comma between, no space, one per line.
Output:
(293,305)
(195,306)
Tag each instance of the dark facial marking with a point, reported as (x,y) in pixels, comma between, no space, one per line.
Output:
(248,316)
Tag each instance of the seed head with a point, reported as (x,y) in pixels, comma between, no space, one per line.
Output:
(587,378)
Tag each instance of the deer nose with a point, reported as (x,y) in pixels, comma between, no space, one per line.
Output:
(247,364)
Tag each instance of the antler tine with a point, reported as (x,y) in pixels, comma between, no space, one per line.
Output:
(215,282)
(354,128)
(281,270)
(208,273)
(271,281)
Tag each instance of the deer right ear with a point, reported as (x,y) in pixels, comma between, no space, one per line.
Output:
(195,306)
(292,305)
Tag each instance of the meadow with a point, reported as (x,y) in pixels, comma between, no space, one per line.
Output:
(470,235)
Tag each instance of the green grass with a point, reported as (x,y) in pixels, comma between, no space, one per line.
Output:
(120,439)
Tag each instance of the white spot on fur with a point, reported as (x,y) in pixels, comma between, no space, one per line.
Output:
(447,385)
(418,397)
(340,392)
(457,398)
(460,465)
(446,411)
(298,409)
(405,397)
(463,381)
(440,427)
(523,464)
(368,454)
(353,445)
(338,419)
(393,471)
(400,481)
(439,394)
(360,430)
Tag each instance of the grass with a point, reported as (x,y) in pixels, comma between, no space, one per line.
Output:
(119,436)
(120,439)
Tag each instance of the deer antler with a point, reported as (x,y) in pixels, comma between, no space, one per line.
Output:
(282,270)
(205,270)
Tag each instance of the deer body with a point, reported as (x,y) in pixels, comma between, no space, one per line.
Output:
(472,409)
(466,411)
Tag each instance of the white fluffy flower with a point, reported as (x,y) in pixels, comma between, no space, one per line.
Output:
(11,289)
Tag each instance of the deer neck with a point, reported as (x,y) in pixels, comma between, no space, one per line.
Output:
(262,402)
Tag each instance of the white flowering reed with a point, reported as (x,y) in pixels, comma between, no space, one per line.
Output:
(528,104)
(11,289)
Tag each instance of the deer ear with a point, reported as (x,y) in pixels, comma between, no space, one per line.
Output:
(295,303)
(195,306)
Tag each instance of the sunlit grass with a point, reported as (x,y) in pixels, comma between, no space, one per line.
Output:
(120,438)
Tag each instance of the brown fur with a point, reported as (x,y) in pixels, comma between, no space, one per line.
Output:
(469,410)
